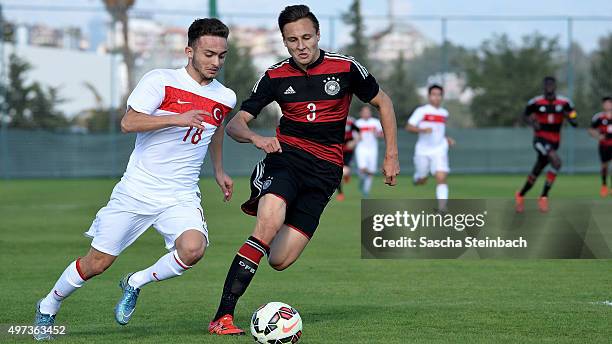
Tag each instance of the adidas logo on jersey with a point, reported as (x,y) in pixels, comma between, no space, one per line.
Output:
(290,90)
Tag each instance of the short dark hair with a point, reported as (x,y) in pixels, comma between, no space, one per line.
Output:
(294,13)
(550,78)
(206,27)
(435,86)
(606,99)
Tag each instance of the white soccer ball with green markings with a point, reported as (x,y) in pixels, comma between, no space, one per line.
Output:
(275,323)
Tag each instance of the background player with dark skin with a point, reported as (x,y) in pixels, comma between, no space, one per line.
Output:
(546,114)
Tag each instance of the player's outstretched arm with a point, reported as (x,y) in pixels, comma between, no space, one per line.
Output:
(134,121)
(216,154)
(238,129)
(387,119)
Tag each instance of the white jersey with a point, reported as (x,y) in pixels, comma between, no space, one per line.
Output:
(427,116)
(165,164)
(369,131)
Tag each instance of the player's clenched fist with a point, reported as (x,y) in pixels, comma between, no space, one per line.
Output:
(391,170)
(267,144)
(191,118)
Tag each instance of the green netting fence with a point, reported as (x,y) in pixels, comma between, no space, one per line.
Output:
(40,154)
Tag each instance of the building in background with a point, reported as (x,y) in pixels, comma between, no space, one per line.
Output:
(265,45)
(386,45)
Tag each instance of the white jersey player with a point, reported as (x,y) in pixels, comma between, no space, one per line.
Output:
(431,150)
(177,114)
(366,152)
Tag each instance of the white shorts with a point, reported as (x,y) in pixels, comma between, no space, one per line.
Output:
(425,164)
(367,159)
(118,225)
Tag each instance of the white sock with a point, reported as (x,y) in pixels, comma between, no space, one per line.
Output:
(168,266)
(442,191)
(442,195)
(69,281)
(367,184)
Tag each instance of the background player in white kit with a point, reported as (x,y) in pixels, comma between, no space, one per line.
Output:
(366,151)
(177,114)
(431,150)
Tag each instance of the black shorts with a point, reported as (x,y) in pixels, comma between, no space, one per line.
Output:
(605,153)
(543,146)
(304,182)
(348,156)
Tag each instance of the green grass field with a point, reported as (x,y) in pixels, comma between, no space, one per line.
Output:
(340,297)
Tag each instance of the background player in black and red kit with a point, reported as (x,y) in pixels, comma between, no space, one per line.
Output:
(303,166)
(601,129)
(351,137)
(546,114)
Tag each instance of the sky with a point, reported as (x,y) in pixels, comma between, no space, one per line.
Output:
(465,32)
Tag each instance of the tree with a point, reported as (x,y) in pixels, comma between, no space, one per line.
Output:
(429,62)
(239,72)
(402,89)
(358,48)
(30,105)
(601,71)
(506,76)
(98,118)
(118,10)
(582,95)
(240,75)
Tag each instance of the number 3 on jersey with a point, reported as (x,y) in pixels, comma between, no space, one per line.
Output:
(312,107)
(197,136)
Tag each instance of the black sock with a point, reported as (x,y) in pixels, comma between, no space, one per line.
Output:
(240,274)
(604,175)
(550,179)
(528,184)
(340,188)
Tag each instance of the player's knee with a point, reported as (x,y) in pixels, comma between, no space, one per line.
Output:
(268,224)
(556,164)
(191,253)
(441,178)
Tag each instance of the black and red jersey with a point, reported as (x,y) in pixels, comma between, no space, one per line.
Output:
(349,133)
(550,114)
(314,103)
(603,123)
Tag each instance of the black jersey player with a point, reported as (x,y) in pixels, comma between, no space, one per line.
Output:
(303,166)
(546,114)
(601,129)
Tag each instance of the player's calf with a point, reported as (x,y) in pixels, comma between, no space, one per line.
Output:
(551,176)
(74,277)
(270,217)
(95,263)
(441,190)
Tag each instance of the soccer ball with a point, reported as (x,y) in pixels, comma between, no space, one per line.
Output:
(276,323)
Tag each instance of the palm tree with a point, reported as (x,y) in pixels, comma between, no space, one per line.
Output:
(118,9)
